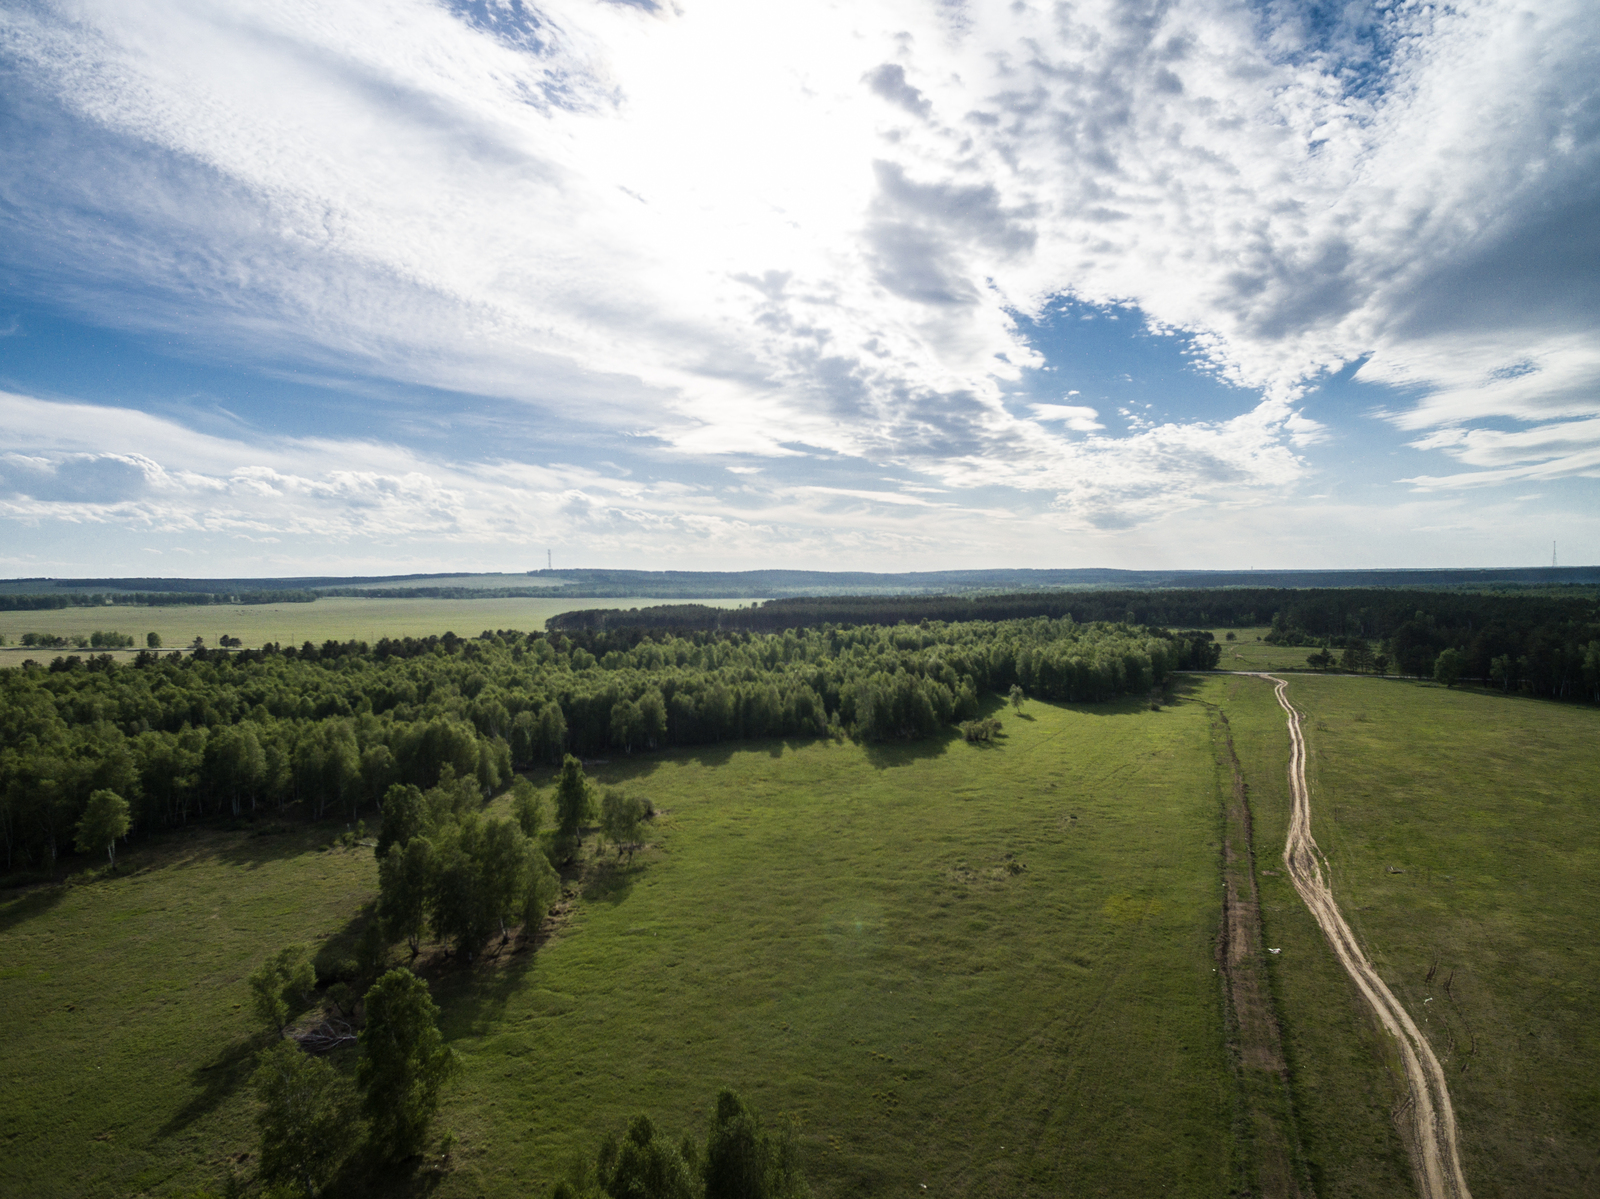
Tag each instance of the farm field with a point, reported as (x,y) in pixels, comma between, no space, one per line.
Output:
(338,618)
(986,969)
(1463,832)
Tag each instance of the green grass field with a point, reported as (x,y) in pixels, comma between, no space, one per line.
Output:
(989,970)
(1463,830)
(339,618)
(1248,652)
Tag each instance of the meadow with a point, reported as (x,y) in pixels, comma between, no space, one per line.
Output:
(986,969)
(1463,832)
(335,618)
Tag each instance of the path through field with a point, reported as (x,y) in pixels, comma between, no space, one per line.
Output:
(1438,1164)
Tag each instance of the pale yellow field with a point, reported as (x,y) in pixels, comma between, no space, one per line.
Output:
(339,618)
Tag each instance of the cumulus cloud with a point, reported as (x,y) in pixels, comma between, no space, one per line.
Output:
(804,232)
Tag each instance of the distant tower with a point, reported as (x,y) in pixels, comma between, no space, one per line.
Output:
(548,561)
(1552,555)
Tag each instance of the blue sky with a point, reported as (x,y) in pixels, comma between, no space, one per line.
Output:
(300,287)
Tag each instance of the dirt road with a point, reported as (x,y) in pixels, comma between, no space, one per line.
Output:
(1437,1163)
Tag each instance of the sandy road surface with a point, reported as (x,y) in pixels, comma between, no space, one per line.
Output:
(1437,1163)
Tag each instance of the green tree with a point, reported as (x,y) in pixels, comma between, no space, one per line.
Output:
(1447,667)
(1016,696)
(505,857)
(403,1063)
(405,883)
(644,1165)
(526,808)
(544,885)
(152,640)
(307,1118)
(282,986)
(572,801)
(620,817)
(743,1161)
(460,905)
(405,815)
(104,820)
(550,740)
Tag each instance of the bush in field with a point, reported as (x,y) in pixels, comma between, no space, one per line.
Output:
(644,1165)
(282,987)
(980,730)
(743,1161)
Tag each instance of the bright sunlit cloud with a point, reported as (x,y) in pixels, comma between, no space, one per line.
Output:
(737,282)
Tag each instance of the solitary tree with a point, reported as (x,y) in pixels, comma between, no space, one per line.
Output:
(152,640)
(307,1117)
(525,806)
(1447,667)
(620,817)
(1017,696)
(281,987)
(104,820)
(404,1062)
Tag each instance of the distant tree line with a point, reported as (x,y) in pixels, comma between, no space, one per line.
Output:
(49,601)
(1314,613)
(333,728)
(1534,644)
(1544,644)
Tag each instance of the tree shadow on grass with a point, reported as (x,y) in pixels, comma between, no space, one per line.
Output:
(30,904)
(223,1073)
(365,1172)
(612,882)
(472,998)
(886,755)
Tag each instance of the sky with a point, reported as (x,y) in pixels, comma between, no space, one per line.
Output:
(337,287)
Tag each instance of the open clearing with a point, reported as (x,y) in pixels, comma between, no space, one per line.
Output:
(337,618)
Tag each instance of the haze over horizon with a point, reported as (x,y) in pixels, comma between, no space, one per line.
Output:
(357,288)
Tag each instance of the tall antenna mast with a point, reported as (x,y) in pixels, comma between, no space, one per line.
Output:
(548,560)
(1552,555)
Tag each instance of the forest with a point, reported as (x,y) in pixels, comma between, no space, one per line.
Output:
(1546,644)
(334,727)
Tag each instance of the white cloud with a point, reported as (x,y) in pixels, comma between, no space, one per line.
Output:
(1076,418)
(794,228)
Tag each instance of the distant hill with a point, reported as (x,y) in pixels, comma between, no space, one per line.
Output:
(771,584)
